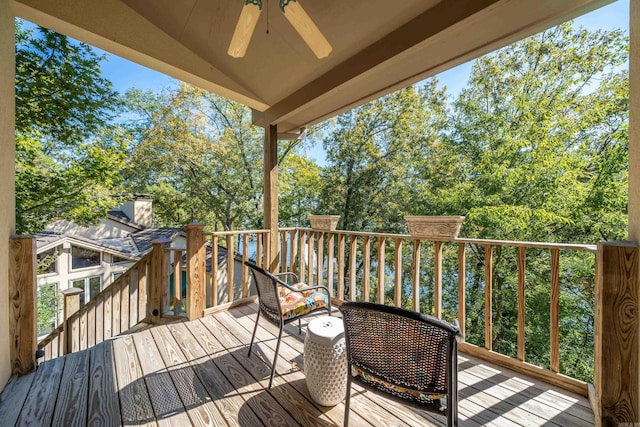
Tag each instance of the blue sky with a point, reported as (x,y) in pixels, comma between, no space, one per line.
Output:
(125,74)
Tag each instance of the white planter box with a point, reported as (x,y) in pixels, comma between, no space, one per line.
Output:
(434,227)
(324,222)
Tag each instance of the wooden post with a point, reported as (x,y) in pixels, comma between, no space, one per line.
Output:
(271,195)
(617,335)
(159,279)
(196,271)
(22,296)
(488,297)
(70,307)
(437,279)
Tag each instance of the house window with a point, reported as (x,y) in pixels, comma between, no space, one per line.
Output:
(116,259)
(48,307)
(91,286)
(47,261)
(83,258)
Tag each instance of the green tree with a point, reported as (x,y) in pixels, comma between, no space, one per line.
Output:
(67,161)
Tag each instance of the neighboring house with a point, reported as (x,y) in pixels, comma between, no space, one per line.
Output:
(91,258)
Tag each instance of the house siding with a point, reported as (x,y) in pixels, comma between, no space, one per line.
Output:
(7,180)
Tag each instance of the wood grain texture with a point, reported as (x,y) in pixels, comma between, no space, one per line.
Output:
(71,405)
(320,259)
(195,394)
(381,269)
(39,407)
(135,404)
(116,299)
(330,253)
(125,299)
(437,279)
(366,268)
(230,269)
(167,405)
(283,251)
(245,269)
(214,271)
(555,311)
(22,304)
(302,271)
(488,297)
(133,297)
(103,404)
(177,280)
(617,361)
(397,270)
(197,270)
(13,396)
(108,301)
(310,252)
(415,269)
(353,247)
(462,285)
(143,293)
(294,250)
(522,268)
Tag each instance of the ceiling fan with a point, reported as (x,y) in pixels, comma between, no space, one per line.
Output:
(296,16)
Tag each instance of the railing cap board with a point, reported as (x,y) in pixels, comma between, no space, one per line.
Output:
(71,291)
(194,225)
(234,232)
(539,245)
(161,241)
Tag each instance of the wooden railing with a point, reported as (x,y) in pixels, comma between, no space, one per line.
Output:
(392,268)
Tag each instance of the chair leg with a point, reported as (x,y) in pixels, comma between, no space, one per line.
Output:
(255,328)
(299,327)
(347,401)
(275,358)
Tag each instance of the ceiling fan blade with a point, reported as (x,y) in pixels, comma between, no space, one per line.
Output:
(244,29)
(306,28)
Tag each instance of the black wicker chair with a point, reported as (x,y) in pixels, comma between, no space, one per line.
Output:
(282,303)
(411,356)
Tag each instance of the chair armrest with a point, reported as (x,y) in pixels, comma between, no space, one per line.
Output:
(288,273)
(308,288)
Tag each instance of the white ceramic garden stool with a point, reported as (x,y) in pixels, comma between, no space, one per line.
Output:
(325,360)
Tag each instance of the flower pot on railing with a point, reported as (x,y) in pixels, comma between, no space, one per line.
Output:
(434,227)
(324,222)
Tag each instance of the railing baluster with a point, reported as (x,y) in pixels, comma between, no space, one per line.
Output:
(258,250)
(330,240)
(397,290)
(381,272)
(245,269)
(340,294)
(310,251)
(302,260)
(366,254)
(214,270)
(488,297)
(462,283)
(294,251)
(99,319)
(142,289)
(555,310)
(230,269)
(115,305)
(415,269)
(437,279)
(320,267)
(522,265)
(108,300)
(353,246)
(283,251)
(177,282)
(124,301)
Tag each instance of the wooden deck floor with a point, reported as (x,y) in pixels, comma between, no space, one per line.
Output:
(198,373)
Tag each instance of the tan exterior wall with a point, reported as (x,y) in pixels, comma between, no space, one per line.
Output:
(7,184)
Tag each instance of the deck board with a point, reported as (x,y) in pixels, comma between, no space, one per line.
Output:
(103,404)
(71,407)
(198,373)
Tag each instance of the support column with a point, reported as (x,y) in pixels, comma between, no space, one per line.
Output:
(617,335)
(22,296)
(634,152)
(196,271)
(71,305)
(271,196)
(7,180)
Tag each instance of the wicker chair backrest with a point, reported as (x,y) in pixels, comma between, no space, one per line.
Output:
(404,348)
(267,287)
